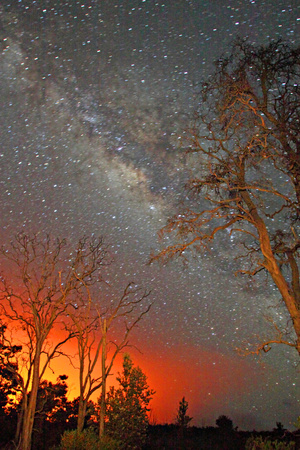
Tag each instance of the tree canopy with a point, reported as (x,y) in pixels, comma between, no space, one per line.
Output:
(127,406)
(245,147)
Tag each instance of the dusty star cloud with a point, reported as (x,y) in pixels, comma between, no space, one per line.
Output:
(95,95)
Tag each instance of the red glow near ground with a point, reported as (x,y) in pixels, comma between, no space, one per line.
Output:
(211,383)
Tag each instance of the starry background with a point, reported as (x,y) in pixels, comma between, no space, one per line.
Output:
(94,96)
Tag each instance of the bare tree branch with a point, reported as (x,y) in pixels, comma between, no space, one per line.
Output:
(36,294)
(245,149)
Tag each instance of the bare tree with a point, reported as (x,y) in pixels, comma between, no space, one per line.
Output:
(91,328)
(36,292)
(245,151)
(131,310)
(84,324)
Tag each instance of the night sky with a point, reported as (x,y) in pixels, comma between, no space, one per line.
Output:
(93,98)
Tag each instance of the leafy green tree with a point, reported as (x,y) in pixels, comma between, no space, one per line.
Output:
(244,147)
(127,407)
(182,419)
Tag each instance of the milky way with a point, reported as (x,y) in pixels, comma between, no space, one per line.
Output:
(94,97)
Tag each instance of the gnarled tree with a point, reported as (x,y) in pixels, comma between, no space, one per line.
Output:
(37,289)
(245,146)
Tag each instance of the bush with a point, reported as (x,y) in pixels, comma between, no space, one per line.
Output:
(108,443)
(87,440)
(258,443)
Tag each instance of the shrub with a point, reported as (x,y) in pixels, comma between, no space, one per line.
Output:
(258,443)
(87,440)
(108,443)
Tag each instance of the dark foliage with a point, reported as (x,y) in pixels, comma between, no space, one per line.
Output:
(208,438)
(53,413)
(9,384)
(224,423)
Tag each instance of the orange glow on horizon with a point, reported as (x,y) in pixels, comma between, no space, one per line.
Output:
(210,382)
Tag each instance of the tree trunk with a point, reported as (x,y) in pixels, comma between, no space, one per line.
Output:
(24,405)
(289,299)
(29,413)
(81,414)
(103,393)
(272,267)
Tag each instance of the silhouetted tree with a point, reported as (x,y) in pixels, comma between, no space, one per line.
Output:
(9,386)
(279,428)
(224,423)
(182,419)
(36,293)
(9,380)
(127,407)
(245,146)
(52,413)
